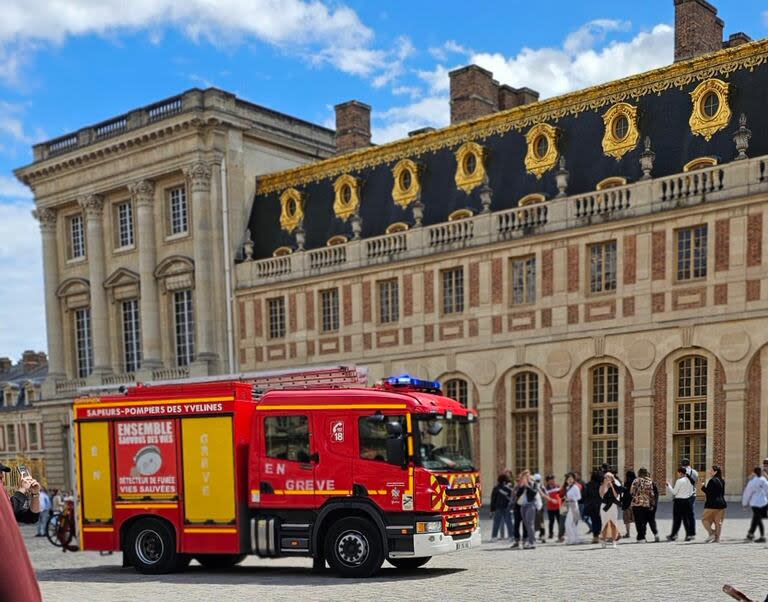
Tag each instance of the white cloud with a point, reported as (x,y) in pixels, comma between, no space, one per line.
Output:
(329,34)
(21,296)
(11,188)
(437,79)
(554,71)
(395,123)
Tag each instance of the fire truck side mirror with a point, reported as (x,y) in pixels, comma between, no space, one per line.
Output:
(396,451)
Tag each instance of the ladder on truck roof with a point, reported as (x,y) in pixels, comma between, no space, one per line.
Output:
(340,376)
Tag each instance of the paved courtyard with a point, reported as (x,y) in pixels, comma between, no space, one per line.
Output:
(664,571)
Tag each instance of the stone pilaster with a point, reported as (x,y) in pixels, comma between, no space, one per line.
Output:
(53,321)
(643,427)
(93,208)
(199,177)
(735,407)
(487,460)
(562,437)
(143,193)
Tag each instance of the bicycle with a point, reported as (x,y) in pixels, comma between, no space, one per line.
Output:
(60,529)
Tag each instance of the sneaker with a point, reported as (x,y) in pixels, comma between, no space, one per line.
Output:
(690,537)
(560,539)
(709,539)
(526,546)
(670,538)
(595,539)
(656,539)
(515,545)
(615,544)
(750,537)
(494,539)
(760,540)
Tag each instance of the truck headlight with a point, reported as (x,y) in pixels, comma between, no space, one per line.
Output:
(434,526)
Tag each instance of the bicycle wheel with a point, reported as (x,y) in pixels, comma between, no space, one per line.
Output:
(51,529)
(65,531)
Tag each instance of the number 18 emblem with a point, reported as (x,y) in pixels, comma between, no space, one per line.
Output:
(337,431)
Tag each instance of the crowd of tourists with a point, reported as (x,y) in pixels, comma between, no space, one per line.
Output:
(527,509)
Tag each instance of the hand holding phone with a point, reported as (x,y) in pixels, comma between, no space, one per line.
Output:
(23,472)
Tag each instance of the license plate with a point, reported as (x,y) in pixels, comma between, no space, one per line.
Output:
(463,545)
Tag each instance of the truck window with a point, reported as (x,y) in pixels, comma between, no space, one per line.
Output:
(373,437)
(287,438)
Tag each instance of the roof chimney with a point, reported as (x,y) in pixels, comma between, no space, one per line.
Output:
(737,39)
(5,364)
(353,126)
(510,97)
(474,93)
(698,30)
(31,359)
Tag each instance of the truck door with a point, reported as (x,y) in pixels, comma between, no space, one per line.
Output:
(333,447)
(388,484)
(286,468)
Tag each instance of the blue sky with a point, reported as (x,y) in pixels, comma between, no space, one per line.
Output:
(66,64)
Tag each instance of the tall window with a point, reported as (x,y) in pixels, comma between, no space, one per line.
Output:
(131,335)
(453,290)
(124,224)
(389,306)
(178,211)
(458,389)
(524,280)
(691,412)
(605,416)
(184,323)
(33,435)
(602,267)
(83,342)
(692,253)
(525,421)
(76,237)
(329,309)
(10,437)
(276,308)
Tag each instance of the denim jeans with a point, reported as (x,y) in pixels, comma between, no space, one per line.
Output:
(529,519)
(502,519)
(42,521)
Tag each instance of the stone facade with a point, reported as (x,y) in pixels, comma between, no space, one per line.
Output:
(647,327)
(142,218)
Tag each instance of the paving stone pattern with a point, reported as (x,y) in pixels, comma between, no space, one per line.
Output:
(664,571)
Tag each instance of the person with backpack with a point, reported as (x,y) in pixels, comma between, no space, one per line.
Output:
(693,477)
(756,497)
(681,506)
(501,498)
(715,505)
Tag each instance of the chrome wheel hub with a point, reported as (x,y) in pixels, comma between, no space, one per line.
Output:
(352,548)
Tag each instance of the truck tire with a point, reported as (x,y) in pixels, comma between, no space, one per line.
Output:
(151,547)
(408,564)
(354,548)
(219,561)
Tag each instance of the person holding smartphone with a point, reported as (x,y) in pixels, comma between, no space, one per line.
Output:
(26,500)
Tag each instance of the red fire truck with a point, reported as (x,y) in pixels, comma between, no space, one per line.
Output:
(218,470)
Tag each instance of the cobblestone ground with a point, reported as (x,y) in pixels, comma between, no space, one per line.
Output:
(663,571)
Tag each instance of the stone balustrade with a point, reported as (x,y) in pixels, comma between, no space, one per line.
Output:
(646,197)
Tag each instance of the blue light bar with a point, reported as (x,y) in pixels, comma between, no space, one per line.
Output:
(406,380)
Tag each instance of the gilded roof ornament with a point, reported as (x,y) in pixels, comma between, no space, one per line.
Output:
(542,152)
(621,131)
(347,196)
(711,112)
(407,182)
(470,166)
(291,209)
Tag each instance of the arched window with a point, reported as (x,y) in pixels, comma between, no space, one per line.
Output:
(604,411)
(525,421)
(457,389)
(691,412)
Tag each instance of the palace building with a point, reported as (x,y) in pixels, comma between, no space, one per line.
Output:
(588,271)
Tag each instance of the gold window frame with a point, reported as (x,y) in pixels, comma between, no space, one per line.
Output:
(613,145)
(534,162)
(467,180)
(400,194)
(702,124)
(346,208)
(291,209)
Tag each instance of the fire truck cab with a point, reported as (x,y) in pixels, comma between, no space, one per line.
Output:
(217,471)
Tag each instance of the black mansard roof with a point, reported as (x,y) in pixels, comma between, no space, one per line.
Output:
(664,107)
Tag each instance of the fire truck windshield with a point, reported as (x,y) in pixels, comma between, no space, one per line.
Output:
(443,444)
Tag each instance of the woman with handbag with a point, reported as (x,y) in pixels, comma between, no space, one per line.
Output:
(610,498)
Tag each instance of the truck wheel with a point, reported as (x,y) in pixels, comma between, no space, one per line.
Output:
(354,548)
(408,564)
(151,547)
(219,561)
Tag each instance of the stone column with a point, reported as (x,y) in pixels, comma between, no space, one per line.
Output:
(53,321)
(93,206)
(562,437)
(143,193)
(487,461)
(199,175)
(643,427)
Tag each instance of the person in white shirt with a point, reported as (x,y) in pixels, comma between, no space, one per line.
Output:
(681,505)
(572,497)
(45,512)
(756,496)
(693,477)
